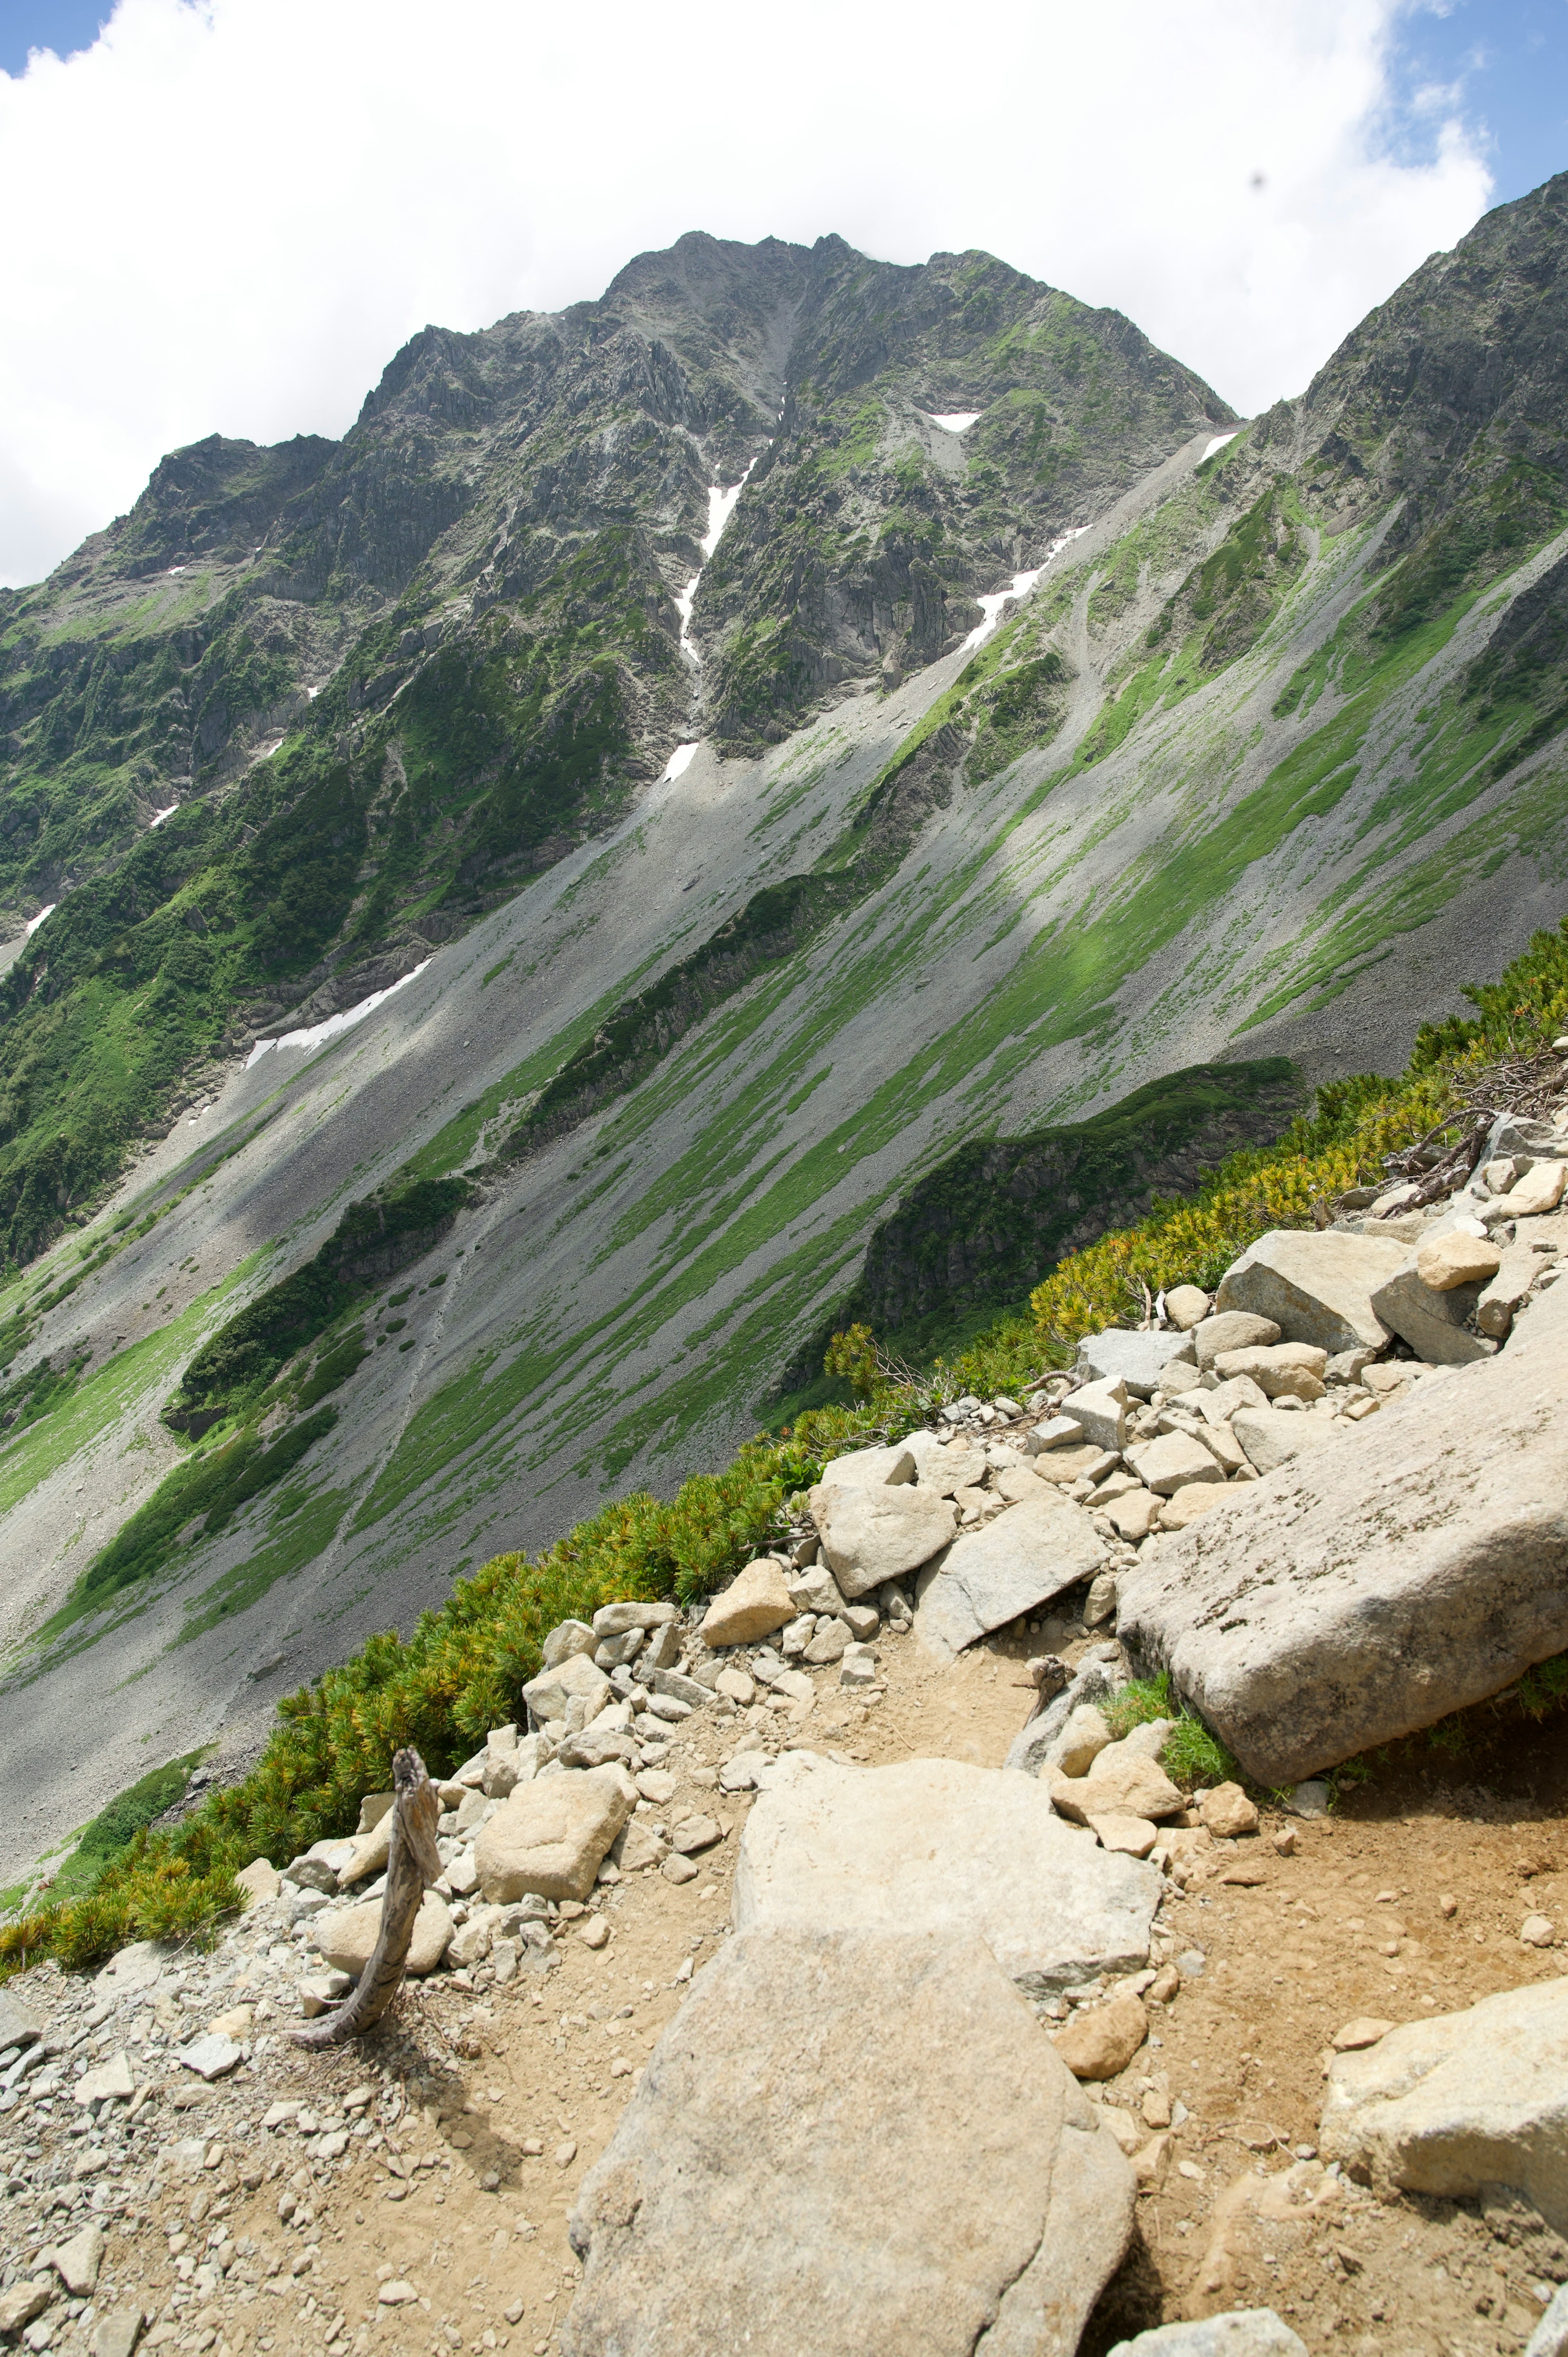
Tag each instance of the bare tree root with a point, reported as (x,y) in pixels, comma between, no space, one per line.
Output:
(413,1862)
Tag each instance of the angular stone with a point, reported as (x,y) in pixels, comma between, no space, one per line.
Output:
(1216,1408)
(1240,2333)
(960,1466)
(1364,2031)
(1550,2338)
(676,1868)
(1063,1467)
(1232,1329)
(1139,1359)
(892,2099)
(616,1619)
(1118,1783)
(574,1679)
(1185,1505)
(874,1535)
(1102,2040)
(1086,1735)
(938,1844)
(1436,1325)
(570,1637)
(1057,1432)
(1467,2099)
(1019,1485)
(1371,1588)
(814,1589)
(1132,1515)
(676,1688)
(345,1935)
(638,1845)
(317,1992)
(1505,1296)
(596,1746)
(135,1967)
(1282,1370)
(829,1643)
(1101,1409)
(1134,1836)
(257,1883)
(20,2025)
(370,1852)
(693,1835)
(1444,1262)
(1272,1437)
(1187,1306)
(212,2057)
(754,1605)
(111,2079)
(988,1576)
(1315,1284)
(23,2301)
(116,2334)
(663,1647)
(76,2262)
(551,1836)
(870,1469)
(1228,1813)
(1169,1463)
(1541,1189)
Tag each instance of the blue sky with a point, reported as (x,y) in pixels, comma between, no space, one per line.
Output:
(1506,63)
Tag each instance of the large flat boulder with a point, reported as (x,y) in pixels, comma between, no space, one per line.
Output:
(551,1836)
(347,1935)
(1316,1284)
(1272,1436)
(1137,1359)
(1464,2100)
(1415,1565)
(940,1845)
(1435,1322)
(877,1533)
(850,2141)
(988,1576)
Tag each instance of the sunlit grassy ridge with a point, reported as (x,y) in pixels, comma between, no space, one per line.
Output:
(460,1670)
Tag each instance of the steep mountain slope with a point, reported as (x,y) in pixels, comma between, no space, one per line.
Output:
(1268,762)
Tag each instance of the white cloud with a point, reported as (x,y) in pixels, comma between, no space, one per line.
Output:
(235,212)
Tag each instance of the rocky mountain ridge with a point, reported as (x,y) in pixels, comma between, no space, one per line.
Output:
(1214,786)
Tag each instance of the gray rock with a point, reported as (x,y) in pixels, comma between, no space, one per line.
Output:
(829,1642)
(575,1678)
(1170,1462)
(1311,1799)
(1232,1329)
(1436,1325)
(1373,1587)
(619,1652)
(1029,1750)
(596,1746)
(20,2025)
(1138,1359)
(1464,2100)
(76,2262)
(664,1647)
(1240,2333)
(814,1589)
(1315,1284)
(873,1535)
(678,1687)
(571,1637)
(939,1845)
(988,1576)
(116,2334)
(1099,1606)
(1514,1133)
(870,1469)
(616,1619)
(23,2302)
(1099,1411)
(1505,1295)
(863,1621)
(1272,1436)
(313,1874)
(887,2103)
(110,2079)
(551,1835)
(212,2057)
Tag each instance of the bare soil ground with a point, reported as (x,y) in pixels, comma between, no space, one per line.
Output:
(487,2104)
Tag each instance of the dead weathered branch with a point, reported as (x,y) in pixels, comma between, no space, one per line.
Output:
(413,1862)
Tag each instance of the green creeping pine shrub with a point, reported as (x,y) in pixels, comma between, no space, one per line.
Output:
(113,1827)
(460,1671)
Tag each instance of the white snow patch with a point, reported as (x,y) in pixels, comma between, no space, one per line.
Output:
(1022,584)
(721,507)
(176,569)
(680,760)
(1219,444)
(956,421)
(158,817)
(313,693)
(318,1034)
(39,919)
